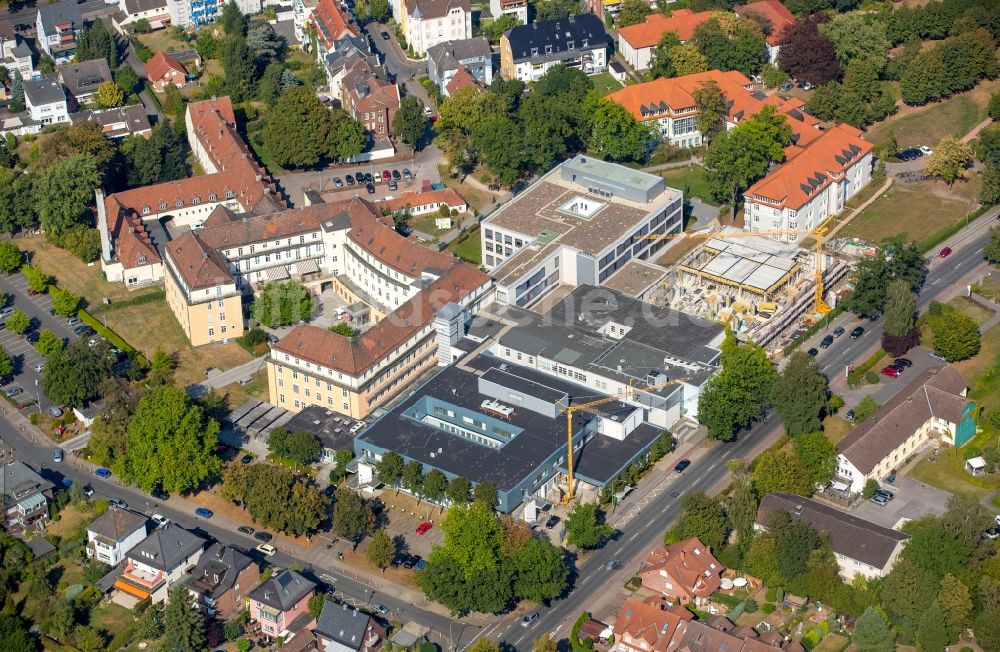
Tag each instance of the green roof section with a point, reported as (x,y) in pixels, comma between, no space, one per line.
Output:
(547,236)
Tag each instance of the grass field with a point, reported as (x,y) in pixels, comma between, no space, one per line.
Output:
(691,180)
(836,428)
(905,209)
(469,247)
(162,41)
(974,309)
(989,355)
(479,199)
(604,83)
(948,473)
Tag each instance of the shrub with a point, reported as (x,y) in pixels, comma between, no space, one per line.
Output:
(871,377)
(767,608)
(770,594)
(750,606)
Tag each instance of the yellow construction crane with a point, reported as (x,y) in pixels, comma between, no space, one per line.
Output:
(571,410)
(819,303)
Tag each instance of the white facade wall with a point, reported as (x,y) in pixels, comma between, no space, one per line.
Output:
(521,12)
(49,114)
(113,555)
(177,574)
(249,263)
(143,275)
(638,58)
(527,71)
(423,33)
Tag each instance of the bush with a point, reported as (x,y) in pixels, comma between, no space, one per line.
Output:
(767,608)
(750,607)
(113,337)
(870,488)
(871,377)
(834,404)
(770,594)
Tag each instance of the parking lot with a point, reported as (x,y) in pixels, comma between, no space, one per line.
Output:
(912,499)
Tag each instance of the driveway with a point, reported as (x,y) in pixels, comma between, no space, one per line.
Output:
(913,499)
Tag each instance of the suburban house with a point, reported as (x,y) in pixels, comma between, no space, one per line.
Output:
(57,26)
(473,57)
(859,546)
(221,579)
(164,69)
(372,99)
(774,13)
(422,203)
(302,11)
(120,121)
(157,563)
(26,497)
(280,604)
(114,533)
(15,54)
(683,572)
(346,629)
(813,183)
(201,291)
(648,625)
(516,8)
(82,79)
(331,23)
(932,407)
(636,42)
(157,12)
(45,102)
(425,23)
(350,54)
(527,51)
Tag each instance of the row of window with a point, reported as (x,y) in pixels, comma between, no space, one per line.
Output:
(229,194)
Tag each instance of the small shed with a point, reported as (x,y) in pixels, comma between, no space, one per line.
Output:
(443,223)
(595,630)
(617,71)
(975,465)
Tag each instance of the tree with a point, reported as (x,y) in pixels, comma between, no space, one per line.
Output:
(65,193)
(485,493)
(818,454)
(738,393)
(265,44)
(950,157)
(872,633)
(660,62)
(687,59)
(109,95)
(347,135)
(281,304)
(585,527)
(389,470)
(500,145)
(64,302)
(992,249)
(932,632)
(741,506)
(161,368)
(342,457)
(484,645)
(956,335)
(545,643)
(435,485)
(183,623)
(88,639)
(800,394)
(413,477)
(858,37)
(47,344)
(96,42)
(239,68)
(410,123)
(806,54)
(632,12)
(458,492)
(895,259)
(233,20)
(772,76)
(381,550)
(301,447)
(987,630)
(18,322)
(494,29)
(781,471)
(275,496)
(616,135)
(38,281)
(956,604)
(353,518)
(711,106)
(866,407)
(14,635)
(10,257)
(6,364)
(539,570)
(900,334)
(704,518)
(169,443)
(300,130)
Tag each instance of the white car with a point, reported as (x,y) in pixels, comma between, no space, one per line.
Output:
(927,151)
(160,519)
(267,549)
(427,111)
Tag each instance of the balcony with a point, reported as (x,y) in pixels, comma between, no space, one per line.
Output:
(143,578)
(270,614)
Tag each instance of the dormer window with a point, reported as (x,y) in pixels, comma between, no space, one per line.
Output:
(548,49)
(163,205)
(145,210)
(142,260)
(212,197)
(230,194)
(179,203)
(196,199)
(534,52)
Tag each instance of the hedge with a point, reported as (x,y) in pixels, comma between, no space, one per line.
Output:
(946,232)
(855,376)
(112,337)
(149,297)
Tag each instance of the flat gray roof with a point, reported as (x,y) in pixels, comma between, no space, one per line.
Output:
(613,173)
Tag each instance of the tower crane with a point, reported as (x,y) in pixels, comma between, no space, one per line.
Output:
(819,303)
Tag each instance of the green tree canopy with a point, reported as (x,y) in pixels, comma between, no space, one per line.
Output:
(10,257)
(353,518)
(781,471)
(48,342)
(300,447)
(956,335)
(389,470)
(6,364)
(872,633)
(74,375)
(703,517)
(381,550)
(282,304)
(275,496)
(585,526)
(64,302)
(65,194)
(738,393)
(539,570)
(409,123)
(183,623)
(818,454)
(800,394)
(459,491)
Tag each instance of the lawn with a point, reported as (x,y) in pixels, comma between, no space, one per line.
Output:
(480,199)
(928,124)
(604,83)
(973,309)
(468,246)
(912,210)
(987,357)
(162,41)
(111,617)
(691,180)
(948,473)
(237,394)
(832,643)
(836,428)
(425,223)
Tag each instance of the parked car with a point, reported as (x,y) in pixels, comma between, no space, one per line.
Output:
(396,175)
(267,549)
(879,499)
(102,472)
(925,150)
(72,321)
(370,188)
(903,362)
(680,466)
(159,494)
(349,179)
(612,564)
(992,533)
(850,415)
(393,185)
(813,352)
(245,529)
(826,342)
(13,390)
(203,512)
(908,155)
(57,455)
(337,183)
(891,372)
(385,36)
(529,618)
(938,357)
(838,331)
(857,332)
(263,536)
(944,253)
(40,367)
(551,522)
(88,491)
(119,503)
(424,527)
(160,519)
(407,174)
(787,86)
(886,493)
(380,609)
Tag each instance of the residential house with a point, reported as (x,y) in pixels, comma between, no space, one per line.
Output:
(683,572)
(302,11)
(814,182)
(221,579)
(187,13)
(647,625)
(201,291)
(45,102)
(423,203)
(774,13)
(121,121)
(164,69)
(157,563)
(82,79)
(346,629)
(280,604)
(157,12)
(527,51)
(15,54)
(859,546)
(57,26)
(331,23)
(933,407)
(636,42)
(516,8)
(370,98)
(114,533)
(26,496)
(350,55)
(426,23)
(446,60)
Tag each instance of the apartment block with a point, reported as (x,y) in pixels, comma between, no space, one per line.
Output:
(528,51)
(56,28)
(516,8)
(426,23)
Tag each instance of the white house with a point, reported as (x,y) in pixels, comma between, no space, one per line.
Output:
(157,12)
(114,533)
(426,23)
(56,27)
(158,562)
(15,55)
(516,8)
(45,101)
(528,51)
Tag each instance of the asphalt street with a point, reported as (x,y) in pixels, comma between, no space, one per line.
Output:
(26,13)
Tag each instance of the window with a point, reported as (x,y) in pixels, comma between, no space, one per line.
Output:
(163,205)
(211,332)
(230,194)
(223,328)
(179,202)
(145,210)
(212,196)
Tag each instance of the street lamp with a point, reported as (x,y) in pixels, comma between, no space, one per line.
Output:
(38,396)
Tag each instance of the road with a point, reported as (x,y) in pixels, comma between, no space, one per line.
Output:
(28,12)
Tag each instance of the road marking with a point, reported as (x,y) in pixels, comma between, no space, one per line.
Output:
(635,535)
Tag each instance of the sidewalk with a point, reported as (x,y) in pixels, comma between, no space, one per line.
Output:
(694,160)
(227,377)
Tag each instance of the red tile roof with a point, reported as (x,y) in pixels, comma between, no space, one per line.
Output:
(413,199)
(161,64)
(677,93)
(649,622)
(775,12)
(332,23)
(198,265)
(689,564)
(813,167)
(682,22)
(462,79)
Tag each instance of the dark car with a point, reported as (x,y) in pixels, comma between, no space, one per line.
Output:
(407,174)
(857,332)
(392,184)
(204,512)
(245,529)
(370,188)
(246,459)
(813,352)
(787,86)
(263,536)
(385,36)
(903,362)
(850,414)
(396,175)
(907,155)
(159,494)
(551,522)
(360,176)
(838,331)
(349,179)
(826,342)
(83,331)
(683,464)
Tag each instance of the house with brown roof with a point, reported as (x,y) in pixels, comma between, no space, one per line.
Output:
(859,546)
(683,572)
(221,579)
(648,625)
(933,407)
(165,69)
(636,42)
(773,13)
(331,23)
(201,291)
(371,99)
(431,201)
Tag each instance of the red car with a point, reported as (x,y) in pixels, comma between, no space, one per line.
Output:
(891,372)
(386,175)
(423,527)
(944,253)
